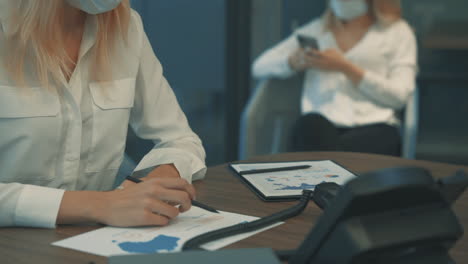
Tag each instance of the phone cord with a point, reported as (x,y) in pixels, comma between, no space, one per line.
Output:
(195,242)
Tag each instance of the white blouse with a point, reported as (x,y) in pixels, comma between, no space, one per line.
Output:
(75,141)
(388,57)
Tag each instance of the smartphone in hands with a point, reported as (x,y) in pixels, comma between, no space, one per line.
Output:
(307,42)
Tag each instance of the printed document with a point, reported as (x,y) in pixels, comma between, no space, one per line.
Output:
(110,241)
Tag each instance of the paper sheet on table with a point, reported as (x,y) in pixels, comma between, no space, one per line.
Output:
(110,241)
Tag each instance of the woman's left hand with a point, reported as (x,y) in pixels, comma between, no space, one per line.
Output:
(327,60)
(333,60)
(163,171)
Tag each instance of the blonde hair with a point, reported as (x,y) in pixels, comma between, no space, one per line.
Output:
(385,12)
(39,38)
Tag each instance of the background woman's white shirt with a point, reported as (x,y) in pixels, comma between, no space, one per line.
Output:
(75,141)
(388,56)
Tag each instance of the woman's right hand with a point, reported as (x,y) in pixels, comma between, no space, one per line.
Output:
(299,59)
(149,203)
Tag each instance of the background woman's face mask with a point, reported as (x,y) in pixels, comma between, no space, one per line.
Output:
(349,9)
(94,7)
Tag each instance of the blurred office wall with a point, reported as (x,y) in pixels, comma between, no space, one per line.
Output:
(188,37)
(266,25)
(424,15)
(441,27)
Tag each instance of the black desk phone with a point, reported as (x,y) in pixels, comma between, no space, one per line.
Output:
(391,216)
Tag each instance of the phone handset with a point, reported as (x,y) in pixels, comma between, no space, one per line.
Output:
(196,242)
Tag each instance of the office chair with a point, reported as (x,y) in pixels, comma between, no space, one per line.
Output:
(274,107)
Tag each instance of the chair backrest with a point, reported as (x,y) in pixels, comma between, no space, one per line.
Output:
(410,125)
(269,116)
(274,107)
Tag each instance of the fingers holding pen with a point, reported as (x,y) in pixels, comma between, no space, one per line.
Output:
(173,191)
(151,219)
(161,208)
(157,185)
(151,202)
(176,197)
(177,184)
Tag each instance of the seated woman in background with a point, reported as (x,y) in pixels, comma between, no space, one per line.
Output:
(363,72)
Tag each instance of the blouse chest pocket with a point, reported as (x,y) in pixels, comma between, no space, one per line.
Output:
(35,102)
(30,131)
(112,103)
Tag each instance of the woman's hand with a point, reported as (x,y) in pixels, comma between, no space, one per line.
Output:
(327,60)
(298,60)
(151,202)
(161,171)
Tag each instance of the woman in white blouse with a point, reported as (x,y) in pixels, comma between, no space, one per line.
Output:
(362,74)
(76,74)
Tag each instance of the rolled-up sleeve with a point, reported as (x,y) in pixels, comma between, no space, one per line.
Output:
(274,62)
(29,205)
(393,90)
(157,116)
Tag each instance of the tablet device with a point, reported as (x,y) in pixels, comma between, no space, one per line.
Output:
(287,185)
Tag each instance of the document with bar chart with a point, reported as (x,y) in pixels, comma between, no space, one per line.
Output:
(112,241)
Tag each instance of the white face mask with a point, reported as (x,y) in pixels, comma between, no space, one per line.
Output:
(94,7)
(349,9)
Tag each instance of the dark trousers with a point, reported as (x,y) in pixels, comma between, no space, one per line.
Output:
(313,132)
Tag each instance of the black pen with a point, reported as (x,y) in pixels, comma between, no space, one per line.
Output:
(194,203)
(255,171)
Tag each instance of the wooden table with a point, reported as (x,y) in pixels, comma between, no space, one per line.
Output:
(223,190)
